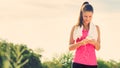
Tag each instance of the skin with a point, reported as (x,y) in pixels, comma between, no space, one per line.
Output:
(87,17)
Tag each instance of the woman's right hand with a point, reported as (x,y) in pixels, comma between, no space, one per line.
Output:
(84,41)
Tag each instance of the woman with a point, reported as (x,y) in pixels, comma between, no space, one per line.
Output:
(85,39)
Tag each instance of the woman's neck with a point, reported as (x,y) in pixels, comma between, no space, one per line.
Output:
(86,26)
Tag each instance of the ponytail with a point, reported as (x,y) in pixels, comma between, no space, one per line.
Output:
(85,7)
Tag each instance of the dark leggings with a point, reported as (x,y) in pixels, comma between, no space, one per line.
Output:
(77,65)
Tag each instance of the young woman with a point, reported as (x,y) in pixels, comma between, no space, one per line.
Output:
(85,39)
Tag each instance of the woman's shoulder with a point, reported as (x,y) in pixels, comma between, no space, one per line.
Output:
(97,27)
(74,27)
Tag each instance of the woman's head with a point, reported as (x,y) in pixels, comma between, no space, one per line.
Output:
(86,13)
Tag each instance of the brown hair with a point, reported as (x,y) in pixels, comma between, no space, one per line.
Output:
(85,7)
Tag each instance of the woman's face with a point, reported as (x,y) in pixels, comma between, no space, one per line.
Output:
(87,16)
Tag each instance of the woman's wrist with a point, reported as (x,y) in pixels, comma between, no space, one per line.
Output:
(93,42)
(83,42)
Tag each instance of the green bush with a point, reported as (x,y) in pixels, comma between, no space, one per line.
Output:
(18,56)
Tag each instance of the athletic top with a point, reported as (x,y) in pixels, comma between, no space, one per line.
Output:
(85,54)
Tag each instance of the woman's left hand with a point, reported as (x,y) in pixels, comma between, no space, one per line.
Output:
(92,41)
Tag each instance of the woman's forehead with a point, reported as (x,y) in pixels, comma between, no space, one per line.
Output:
(87,13)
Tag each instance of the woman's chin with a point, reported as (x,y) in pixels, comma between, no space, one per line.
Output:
(87,22)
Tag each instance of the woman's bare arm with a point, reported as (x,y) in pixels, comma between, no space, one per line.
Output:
(72,45)
(94,42)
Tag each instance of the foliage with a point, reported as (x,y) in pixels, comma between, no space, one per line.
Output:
(65,61)
(108,64)
(18,56)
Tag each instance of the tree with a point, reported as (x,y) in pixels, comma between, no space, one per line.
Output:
(18,56)
(4,55)
(63,61)
(102,64)
(34,59)
(66,60)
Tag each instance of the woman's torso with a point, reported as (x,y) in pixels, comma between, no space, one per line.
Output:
(85,54)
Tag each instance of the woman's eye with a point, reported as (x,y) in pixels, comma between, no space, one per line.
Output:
(89,16)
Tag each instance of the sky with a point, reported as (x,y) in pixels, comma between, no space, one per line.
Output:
(47,24)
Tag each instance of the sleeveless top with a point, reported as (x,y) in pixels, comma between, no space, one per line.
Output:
(85,54)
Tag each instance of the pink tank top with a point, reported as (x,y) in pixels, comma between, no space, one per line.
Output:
(85,54)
